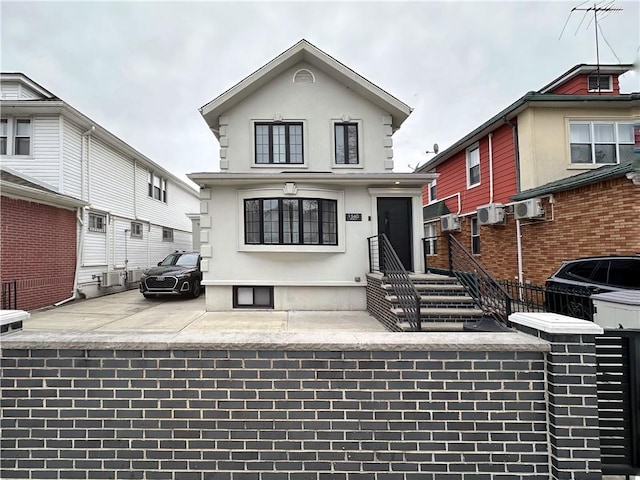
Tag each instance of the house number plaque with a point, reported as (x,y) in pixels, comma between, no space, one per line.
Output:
(354,217)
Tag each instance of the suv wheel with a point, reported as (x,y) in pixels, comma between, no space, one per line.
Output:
(196,289)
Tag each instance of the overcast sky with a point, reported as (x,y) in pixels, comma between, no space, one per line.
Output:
(143,69)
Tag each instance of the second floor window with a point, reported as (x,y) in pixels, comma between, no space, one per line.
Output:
(601,142)
(157,187)
(291,221)
(346,136)
(278,143)
(15,136)
(473,166)
(433,192)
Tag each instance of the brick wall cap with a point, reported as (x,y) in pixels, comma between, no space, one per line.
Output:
(555,323)
(356,341)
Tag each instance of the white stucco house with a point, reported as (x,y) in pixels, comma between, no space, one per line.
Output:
(306,176)
(134,210)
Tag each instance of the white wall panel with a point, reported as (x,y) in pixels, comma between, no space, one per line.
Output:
(9,90)
(27,94)
(71,159)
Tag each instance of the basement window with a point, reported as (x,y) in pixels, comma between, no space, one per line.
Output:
(252,297)
(167,234)
(136,230)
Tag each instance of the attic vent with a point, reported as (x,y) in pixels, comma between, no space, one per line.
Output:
(303,76)
(605,83)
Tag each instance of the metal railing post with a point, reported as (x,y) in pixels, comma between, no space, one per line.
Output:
(450,253)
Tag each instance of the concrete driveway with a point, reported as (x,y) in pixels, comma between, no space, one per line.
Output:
(130,312)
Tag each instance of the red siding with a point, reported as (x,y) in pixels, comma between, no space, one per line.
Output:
(38,250)
(579,85)
(453,174)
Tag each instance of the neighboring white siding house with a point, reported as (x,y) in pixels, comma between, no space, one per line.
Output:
(137,211)
(306,155)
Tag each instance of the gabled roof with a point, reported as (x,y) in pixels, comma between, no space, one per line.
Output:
(601,174)
(22,78)
(585,69)
(304,51)
(541,98)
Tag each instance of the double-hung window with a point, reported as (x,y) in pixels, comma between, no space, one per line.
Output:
(433,191)
(278,143)
(346,143)
(157,187)
(97,222)
(475,236)
(430,239)
(15,136)
(290,221)
(473,166)
(601,142)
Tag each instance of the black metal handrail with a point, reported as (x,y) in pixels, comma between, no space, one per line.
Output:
(10,295)
(383,259)
(486,291)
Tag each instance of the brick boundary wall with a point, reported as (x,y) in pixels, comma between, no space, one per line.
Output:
(392,406)
(377,305)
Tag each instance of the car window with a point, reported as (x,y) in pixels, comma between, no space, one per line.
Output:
(600,274)
(582,271)
(169,260)
(188,260)
(625,273)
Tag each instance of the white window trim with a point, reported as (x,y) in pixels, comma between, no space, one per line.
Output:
(601,89)
(280,166)
(474,220)
(332,134)
(468,165)
(432,238)
(321,194)
(104,222)
(591,123)
(431,184)
(11,135)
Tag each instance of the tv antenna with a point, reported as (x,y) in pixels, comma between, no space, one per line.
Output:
(608,8)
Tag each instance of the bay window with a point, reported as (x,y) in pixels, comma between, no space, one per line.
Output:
(290,221)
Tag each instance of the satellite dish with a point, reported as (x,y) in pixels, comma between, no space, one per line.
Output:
(435,148)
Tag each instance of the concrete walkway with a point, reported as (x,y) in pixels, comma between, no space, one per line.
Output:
(130,312)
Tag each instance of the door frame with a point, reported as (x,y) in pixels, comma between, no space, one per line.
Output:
(416,219)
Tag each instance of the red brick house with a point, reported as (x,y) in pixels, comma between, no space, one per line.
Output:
(38,241)
(553,176)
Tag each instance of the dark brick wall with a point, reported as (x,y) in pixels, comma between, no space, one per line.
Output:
(262,415)
(377,305)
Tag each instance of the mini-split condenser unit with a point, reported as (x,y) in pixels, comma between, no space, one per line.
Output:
(111,279)
(531,208)
(450,223)
(490,214)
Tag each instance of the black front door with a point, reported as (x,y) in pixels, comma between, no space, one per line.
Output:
(394,220)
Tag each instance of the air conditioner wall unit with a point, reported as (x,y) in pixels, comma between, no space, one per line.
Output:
(530,208)
(450,223)
(490,214)
(134,275)
(111,279)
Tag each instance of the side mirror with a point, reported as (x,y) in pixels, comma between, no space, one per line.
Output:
(159,263)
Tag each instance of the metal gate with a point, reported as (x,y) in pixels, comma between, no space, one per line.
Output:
(618,380)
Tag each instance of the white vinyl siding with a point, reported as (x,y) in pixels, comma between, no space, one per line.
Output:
(71,159)
(111,179)
(27,94)
(10,90)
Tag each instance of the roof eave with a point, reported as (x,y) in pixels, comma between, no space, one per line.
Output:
(22,192)
(305,51)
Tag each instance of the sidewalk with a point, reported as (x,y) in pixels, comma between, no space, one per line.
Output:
(130,312)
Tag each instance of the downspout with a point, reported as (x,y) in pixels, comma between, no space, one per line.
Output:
(86,152)
(79,217)
(519,248)
(491,167)
(516,157)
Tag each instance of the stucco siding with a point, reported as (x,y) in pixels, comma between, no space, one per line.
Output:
(316,105)
(543,135)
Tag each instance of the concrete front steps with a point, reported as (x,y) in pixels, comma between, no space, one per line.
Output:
(444,304)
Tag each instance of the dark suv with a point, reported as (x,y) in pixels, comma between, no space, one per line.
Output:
(568,290)
(178,274)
